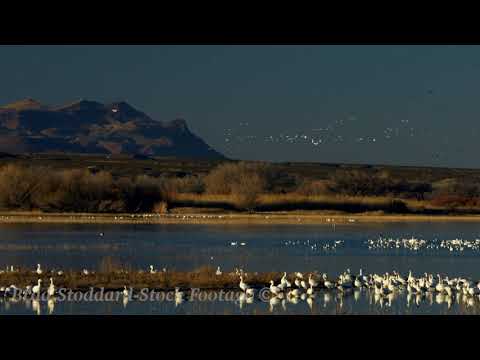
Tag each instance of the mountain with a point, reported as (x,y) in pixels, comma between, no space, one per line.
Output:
(27,126)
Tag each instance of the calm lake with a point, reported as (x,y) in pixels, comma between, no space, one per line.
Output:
(451,249)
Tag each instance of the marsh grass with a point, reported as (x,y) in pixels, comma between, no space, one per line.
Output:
(204,278)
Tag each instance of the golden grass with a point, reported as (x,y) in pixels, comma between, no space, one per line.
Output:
(204,278)
(339,203)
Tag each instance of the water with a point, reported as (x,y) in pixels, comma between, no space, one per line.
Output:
(325,248)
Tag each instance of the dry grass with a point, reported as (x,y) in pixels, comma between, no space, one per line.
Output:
(115,278)
(336,203)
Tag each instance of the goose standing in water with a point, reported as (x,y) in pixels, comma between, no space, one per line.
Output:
(125,297)
(51,288)
(250,292)
(310,290)
(357,283)
(243,286)
(275,290)
(327,283)
(36,289)
(178,296)
(283,280)
(304,284)
(294,293)
(311,281)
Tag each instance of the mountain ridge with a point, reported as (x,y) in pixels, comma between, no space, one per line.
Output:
(86,126)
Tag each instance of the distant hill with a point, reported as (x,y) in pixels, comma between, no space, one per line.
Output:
(27,126)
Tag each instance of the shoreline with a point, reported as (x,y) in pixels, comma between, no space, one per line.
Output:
(223,218)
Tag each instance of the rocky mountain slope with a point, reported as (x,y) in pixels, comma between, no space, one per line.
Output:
(27,126)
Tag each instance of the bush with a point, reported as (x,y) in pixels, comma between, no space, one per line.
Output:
(188,184)
(28,188)
(225,178)
(18,186)
(246,191)
(244,181)
(144,192)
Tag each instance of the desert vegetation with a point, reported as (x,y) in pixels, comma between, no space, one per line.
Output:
(233,186)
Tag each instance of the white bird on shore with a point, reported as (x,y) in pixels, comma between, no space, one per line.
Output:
(36,289)
(327,283)
(152,270)
(39,270)
(51,288)
(243,285)
(294,293)
(178,294)
(311,281)
(126,293)
(310,290)
(219,272)
(303,284)
(299,275)
(274,289)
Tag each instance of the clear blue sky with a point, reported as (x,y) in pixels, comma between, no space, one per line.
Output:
(363,104)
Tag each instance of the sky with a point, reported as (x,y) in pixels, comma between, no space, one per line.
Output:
(375,104)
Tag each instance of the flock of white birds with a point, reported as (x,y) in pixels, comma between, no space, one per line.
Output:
(412,244)
(383,288)
(296,287)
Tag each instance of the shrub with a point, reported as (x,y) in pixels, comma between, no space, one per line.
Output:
(144,192)
(226,177)
(244,181)
(18,185)
(246,191)
(188,184)
(77,190)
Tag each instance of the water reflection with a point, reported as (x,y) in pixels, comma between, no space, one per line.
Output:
(324,302)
